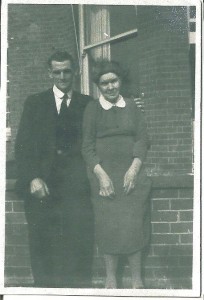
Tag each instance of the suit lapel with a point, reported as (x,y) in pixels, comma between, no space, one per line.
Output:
(75,103)
(49,113)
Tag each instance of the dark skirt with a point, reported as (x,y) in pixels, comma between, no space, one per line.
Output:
(122,224)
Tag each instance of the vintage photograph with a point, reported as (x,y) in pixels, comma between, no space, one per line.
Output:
(102,146)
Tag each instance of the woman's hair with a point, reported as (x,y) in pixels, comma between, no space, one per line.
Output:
(101,67)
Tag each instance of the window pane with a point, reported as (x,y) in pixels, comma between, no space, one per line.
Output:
(122,18)
(192,11)
(96,23)
(130,63)
(105,21)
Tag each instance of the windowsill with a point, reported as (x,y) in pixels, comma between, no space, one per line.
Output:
(158,182)
(173,181)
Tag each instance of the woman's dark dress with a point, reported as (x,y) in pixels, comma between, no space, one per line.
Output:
(113,138)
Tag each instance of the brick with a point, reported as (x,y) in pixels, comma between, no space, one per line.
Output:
(185,260)
(16,239)
(173,272)
(167,193)
(161,227)
(186,193)
(21,249)
(19,229)
(164,239)
(161,261)
(183,250)
(161,250)
(17,261)
(185,227)
(9,207)
(181,204)
(161,204)
(185,272)
(9,249)
(15,218)
(18,206)
(164,216)
(11,196)
(186,239)
(181,283)
(148,273)
(18,271)
(186,215)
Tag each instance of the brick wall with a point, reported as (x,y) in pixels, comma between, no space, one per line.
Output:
(165,81)
(169,263)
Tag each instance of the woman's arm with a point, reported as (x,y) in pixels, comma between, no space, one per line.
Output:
(89,151)
(89,136)
(140,148)
(142,143)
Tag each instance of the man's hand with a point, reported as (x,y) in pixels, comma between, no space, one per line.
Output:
(131,175)
(106,185)
(39,188)
(140,103)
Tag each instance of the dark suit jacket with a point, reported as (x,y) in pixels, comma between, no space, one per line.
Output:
(35,146)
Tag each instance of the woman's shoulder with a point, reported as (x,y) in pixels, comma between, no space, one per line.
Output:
(93,103)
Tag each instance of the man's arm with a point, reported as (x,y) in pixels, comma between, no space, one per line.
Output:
(26,146)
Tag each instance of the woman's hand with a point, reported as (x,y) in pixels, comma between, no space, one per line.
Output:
(130,177)
(106,185)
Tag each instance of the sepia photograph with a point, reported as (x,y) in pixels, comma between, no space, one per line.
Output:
(101,108)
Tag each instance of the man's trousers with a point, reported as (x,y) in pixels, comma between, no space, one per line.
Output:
(61,227)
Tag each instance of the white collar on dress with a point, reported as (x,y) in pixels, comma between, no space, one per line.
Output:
(108,105)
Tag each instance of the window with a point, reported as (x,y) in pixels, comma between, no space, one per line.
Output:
(191,35)
(109,31)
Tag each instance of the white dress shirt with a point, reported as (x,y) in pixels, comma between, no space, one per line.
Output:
(108,105)
(58,97)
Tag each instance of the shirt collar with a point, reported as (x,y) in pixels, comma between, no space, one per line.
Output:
(108,105)
(60,94)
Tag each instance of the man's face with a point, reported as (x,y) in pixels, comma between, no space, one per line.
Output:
(62,74)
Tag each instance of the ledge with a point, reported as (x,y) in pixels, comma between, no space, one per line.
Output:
(172,181)
(158,182)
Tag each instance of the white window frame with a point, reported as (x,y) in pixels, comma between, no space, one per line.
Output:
(191,34)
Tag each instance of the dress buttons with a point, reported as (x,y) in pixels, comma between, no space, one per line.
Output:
(59,152)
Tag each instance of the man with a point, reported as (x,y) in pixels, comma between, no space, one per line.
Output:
(52,180)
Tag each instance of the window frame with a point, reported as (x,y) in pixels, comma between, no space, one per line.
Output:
(84,49)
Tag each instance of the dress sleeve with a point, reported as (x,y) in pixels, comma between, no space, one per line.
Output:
(142,143)
(89,135)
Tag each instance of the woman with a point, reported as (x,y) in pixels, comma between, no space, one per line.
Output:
(114,146)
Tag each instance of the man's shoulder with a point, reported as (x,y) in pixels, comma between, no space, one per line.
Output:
(38,97)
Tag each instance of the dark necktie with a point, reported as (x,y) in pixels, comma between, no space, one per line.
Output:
(63,107)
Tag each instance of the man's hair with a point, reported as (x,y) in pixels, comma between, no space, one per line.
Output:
(103,66)
(60,56)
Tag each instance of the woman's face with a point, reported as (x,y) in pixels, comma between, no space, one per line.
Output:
(109,86)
